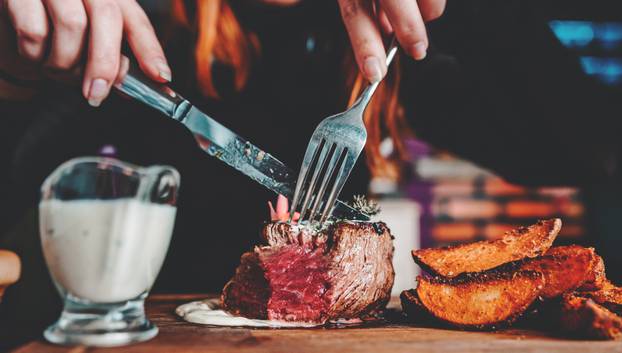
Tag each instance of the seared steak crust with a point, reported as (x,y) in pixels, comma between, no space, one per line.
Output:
(281,233)
(361,269)
(249,278)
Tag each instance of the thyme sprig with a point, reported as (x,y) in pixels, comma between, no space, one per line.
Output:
(362,204)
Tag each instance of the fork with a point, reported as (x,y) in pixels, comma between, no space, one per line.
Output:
(331,154)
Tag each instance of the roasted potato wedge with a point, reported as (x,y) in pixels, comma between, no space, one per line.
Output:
(478,301)
(609,296)
(521,243)
(567,268)
(585,318)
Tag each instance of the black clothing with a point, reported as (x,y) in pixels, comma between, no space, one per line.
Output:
(496,88)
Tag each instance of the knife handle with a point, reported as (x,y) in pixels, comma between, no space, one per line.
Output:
(156,95)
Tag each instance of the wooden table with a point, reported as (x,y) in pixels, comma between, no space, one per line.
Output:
(178,336)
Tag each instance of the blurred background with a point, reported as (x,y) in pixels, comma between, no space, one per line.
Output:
(439,199)
(442,199)
(456,201)
(446,200)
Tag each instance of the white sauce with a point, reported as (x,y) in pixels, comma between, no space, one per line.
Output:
(105,251)
(209,312)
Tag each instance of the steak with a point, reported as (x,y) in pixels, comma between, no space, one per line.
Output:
(342,272)
(524,242)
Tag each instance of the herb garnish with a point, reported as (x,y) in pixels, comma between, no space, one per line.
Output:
(369,207)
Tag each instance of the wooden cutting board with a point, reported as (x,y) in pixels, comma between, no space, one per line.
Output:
(178,336)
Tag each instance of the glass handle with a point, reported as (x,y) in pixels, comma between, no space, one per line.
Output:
(160,185)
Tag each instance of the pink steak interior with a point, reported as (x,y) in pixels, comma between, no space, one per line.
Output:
(298,278)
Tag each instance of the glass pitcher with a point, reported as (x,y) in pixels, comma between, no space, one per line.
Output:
(105,228)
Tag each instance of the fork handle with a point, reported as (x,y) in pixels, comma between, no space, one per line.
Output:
(368,92)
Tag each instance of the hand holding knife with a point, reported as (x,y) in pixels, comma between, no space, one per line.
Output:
(220,142)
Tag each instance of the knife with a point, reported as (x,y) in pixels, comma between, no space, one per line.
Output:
(220,142)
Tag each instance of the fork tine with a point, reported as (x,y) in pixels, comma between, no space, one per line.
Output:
(344,171)
(311,155)
(325,157)
(331,171)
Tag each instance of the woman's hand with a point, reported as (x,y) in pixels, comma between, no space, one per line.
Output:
(363,19)
(57,37)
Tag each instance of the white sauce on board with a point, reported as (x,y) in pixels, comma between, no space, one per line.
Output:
(209,312)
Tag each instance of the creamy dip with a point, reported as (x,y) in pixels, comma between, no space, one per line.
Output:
(209,312)
(105,251)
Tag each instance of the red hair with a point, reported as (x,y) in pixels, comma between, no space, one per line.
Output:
(221,37)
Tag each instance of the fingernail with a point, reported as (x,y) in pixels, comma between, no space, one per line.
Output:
(418,51)
(164,71)
(99,91)
(372,69)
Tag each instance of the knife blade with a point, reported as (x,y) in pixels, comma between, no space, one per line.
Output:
(220,142)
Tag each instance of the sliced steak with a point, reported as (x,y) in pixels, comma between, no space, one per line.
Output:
(343,272)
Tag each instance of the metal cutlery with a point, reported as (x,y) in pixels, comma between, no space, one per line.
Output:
(330,157)
(218,141)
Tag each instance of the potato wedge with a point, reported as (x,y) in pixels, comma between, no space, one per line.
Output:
(587,319)
(480,301)
(521,243)
(567,268)
(609,296)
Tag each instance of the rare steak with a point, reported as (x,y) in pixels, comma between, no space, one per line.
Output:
(342,272)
